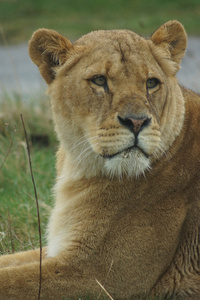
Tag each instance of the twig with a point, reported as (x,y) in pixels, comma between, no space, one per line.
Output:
(103,288)
(36,198)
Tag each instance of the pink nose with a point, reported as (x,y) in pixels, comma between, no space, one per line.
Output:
(133,124)
(137,124)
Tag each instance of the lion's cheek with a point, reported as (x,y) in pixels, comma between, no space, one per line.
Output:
(151,144)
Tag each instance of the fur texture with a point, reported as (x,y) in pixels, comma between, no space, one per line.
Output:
(127,206)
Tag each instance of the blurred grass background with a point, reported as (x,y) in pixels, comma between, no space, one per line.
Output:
(18,215)
(18,20)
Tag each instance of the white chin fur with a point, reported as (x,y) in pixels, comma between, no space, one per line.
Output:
(129,164)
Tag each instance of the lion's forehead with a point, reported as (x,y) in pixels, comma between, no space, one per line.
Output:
(112,52)
(121,44)
(111,37)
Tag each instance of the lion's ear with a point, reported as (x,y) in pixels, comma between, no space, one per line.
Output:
(171,37)
(48,49)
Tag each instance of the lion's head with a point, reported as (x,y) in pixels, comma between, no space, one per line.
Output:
(116,102)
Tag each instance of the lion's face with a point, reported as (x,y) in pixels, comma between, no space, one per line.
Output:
(116,103)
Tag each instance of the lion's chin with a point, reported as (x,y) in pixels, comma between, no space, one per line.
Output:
(128,163)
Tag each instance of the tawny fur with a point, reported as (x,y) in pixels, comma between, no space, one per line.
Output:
(127,208)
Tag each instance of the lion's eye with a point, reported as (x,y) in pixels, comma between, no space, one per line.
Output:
(99,80)
(152,83)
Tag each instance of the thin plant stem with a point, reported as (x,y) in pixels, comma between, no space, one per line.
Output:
(10,231)
(104,290)
(8,151)
(36,198)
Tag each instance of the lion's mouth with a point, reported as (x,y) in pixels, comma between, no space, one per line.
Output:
(125,153)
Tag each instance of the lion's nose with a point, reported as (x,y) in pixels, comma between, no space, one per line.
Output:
(135,125)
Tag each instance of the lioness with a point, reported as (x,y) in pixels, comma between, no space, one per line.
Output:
(126,220)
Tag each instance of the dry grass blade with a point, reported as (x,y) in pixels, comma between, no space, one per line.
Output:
(38,213)
(103,288)
(8,151)
(10,232)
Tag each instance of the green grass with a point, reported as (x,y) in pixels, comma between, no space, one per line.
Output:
(19,18)
(18,215)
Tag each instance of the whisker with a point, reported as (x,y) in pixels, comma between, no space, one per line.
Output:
(88,151)
(85,150)
(84,143)
(80,141)
(85,156)
(164,150)
(84,137)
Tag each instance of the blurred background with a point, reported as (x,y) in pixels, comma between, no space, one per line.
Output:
(22,91)
(19,18)
(73,18)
